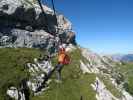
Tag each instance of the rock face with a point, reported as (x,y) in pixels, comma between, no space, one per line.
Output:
(96,63)
(39,70)
(14,93)
(24,25)
(102,92)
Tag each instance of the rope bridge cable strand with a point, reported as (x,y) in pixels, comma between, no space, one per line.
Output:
(44,14)
(46,19)
(53,6)
(47,24)
(57,24)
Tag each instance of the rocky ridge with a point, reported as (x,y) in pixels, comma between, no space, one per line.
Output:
(104,66)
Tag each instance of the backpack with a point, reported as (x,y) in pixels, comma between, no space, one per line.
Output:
(66,60)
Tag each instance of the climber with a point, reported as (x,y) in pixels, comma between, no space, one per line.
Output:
(63,59)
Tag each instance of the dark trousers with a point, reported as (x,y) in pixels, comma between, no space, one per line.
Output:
(59,67)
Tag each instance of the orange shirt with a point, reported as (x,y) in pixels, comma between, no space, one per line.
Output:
(61,58)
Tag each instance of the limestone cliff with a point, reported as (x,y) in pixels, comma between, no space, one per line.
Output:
(23,24)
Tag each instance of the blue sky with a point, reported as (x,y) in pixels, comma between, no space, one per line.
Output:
(104,26)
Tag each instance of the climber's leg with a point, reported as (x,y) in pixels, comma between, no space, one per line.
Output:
(58,71)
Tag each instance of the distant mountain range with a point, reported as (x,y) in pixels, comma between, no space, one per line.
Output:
(119,57)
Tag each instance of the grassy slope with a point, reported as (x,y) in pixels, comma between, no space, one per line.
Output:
(110,86)
(74,85)
(12,63)
(126,69)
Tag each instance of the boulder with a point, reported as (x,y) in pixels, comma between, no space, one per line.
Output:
(15,94)
(24,13)
(38,70)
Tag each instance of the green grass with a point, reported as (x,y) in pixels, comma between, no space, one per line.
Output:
(12,71)
(70,89)
(126,69)
(74,84)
